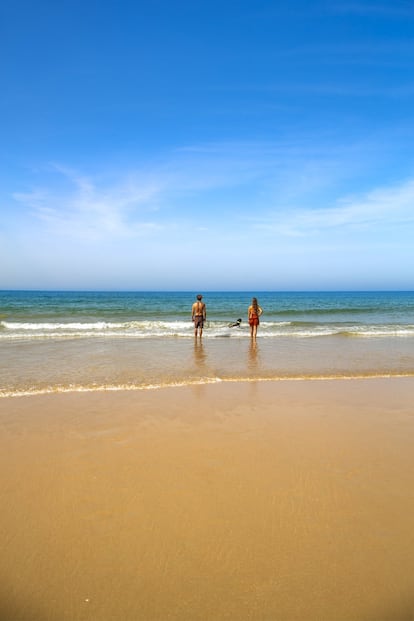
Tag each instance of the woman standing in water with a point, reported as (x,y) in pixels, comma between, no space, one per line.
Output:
(253,315)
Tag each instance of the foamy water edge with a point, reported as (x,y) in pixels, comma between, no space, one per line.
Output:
(55,390)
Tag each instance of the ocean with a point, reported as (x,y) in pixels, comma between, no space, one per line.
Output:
(82,341)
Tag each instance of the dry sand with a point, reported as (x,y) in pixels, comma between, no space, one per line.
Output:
(246,501)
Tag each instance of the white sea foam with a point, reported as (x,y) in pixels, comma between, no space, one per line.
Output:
(10,330)
(49,390)
(78,388)
(45,326)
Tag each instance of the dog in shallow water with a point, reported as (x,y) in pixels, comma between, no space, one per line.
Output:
(236,324)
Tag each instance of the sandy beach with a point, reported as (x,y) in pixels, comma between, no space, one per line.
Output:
(265,501)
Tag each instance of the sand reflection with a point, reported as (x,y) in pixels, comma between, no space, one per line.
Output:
(253,357)
(199,355)
(200,364)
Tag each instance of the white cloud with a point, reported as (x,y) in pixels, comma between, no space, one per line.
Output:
(85,210)
(72,204)
(383,207)
(217,186)
(96,227)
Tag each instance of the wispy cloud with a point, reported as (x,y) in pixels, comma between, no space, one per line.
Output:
(294,189)
(383,207)
(148,197)
(84,209)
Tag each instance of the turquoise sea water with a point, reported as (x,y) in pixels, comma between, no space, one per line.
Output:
(55,341)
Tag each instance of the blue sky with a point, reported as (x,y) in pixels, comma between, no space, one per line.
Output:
(174,144)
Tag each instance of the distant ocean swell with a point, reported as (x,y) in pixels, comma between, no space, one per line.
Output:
(10,330)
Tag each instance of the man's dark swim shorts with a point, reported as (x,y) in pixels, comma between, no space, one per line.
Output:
(198,321)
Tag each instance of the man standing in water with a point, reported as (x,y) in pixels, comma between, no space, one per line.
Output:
(198,315)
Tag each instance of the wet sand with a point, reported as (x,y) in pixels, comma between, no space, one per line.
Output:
(269,501)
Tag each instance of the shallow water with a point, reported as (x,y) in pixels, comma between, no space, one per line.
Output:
(51,342)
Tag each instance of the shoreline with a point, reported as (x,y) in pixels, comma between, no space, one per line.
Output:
(119,388)
(230,501)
